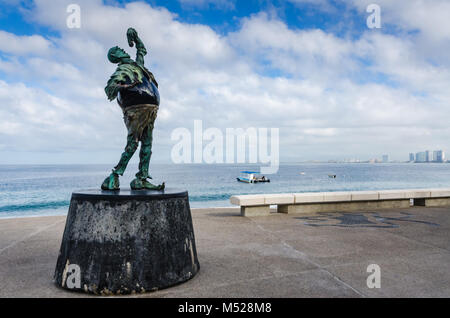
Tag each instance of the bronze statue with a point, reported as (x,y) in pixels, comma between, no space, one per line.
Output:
(137,94)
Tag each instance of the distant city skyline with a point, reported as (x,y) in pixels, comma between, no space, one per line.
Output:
(422,156)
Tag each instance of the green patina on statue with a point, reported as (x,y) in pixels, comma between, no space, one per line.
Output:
(136,91)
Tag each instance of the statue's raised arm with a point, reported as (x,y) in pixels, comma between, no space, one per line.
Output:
(133,38)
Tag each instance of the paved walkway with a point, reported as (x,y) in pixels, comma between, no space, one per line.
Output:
(322,255)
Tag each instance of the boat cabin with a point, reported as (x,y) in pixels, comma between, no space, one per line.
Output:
(251,177)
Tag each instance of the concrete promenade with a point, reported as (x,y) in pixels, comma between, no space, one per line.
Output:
(281,255)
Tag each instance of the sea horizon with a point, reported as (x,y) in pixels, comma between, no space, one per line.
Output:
(45,189)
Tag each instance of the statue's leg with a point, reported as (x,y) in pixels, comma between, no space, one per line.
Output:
(130,149)
(112,182)
(146,152)
(144,155)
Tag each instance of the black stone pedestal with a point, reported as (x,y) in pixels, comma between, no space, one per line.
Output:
(122,242)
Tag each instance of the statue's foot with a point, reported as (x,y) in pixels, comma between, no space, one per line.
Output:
(111,182)
(143,184)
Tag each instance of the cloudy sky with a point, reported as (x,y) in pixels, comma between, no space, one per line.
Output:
(335,88)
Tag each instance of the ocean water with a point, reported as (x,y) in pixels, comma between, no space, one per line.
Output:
(35,190)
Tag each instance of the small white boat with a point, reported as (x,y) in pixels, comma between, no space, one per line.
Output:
(302,173)
(250,177)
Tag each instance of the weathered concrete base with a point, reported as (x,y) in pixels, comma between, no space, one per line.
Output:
(432,202)
(250,211)
(127,242)
(343,206)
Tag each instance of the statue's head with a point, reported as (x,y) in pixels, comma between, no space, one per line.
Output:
(116,55)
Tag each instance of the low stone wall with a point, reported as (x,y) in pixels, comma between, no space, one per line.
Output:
(259,204)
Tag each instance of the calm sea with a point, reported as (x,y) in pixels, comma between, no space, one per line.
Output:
(34,190)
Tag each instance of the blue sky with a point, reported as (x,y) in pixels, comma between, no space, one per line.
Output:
(222,18)
(335,88)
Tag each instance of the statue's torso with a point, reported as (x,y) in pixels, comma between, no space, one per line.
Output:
(144,93)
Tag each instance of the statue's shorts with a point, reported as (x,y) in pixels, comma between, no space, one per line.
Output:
(138,118)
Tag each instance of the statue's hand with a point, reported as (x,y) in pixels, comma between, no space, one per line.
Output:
(131,36)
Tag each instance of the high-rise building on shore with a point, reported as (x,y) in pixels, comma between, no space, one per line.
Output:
(385,158)
(428,156)
(438,156)
(421,157)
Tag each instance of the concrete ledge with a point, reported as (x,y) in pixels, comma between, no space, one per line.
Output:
(337,196)
(364,196)
(440,193)
(258,204)
(279,199)
(392,194)
(419,194)
(247,200)
(308,208)
(308,197)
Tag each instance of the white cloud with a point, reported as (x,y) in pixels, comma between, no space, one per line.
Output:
(298,52)
(24,45)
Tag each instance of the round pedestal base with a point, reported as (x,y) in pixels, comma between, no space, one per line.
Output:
(122,242)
